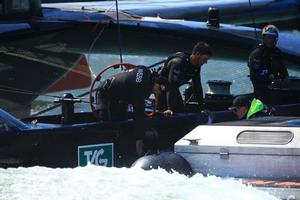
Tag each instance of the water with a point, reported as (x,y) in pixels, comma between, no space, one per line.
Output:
(91,182)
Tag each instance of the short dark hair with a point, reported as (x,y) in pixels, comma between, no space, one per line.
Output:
(202,48)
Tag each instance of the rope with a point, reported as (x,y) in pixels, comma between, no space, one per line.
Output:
(20,91)
(94,42)
(57,105)
(110,7)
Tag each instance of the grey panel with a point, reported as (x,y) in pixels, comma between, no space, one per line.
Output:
(265,137)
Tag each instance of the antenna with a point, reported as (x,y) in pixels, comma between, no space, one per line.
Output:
(253,21)
(119,32)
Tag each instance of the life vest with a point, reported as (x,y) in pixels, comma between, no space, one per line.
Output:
(269,64)
(183,55)
(255,107)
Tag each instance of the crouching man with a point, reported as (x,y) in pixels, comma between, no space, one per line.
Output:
(129,87)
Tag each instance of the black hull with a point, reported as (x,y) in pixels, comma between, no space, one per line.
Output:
(58,147)
(45,141)
(231,12)
(163,37)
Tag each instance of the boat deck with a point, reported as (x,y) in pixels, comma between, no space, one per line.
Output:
(273,121)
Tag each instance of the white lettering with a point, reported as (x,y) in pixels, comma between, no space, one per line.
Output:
(94,157)
(88,155)
(139,76)
(101,162)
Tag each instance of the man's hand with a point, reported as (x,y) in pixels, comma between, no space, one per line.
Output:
(210,115)
(168,113)
(206,111)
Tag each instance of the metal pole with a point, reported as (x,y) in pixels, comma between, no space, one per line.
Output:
(119,33)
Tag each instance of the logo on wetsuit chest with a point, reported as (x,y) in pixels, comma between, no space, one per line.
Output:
(139,76)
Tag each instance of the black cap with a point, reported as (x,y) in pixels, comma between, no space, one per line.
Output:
(241,101)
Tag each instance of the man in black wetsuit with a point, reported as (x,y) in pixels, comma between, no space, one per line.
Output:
(266,64)
(179,69)
(130,87)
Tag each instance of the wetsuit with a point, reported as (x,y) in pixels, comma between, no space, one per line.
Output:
(178,71)
(114,95)
(265,64)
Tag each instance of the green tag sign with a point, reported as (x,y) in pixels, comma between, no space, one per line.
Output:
(97,154)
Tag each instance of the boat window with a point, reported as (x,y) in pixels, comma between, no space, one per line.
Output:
(265,137)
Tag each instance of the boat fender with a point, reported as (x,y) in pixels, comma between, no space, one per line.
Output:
(169,161)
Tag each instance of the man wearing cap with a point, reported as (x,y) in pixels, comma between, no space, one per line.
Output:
(179,69)
(245,108)
(130,87)
(266,64)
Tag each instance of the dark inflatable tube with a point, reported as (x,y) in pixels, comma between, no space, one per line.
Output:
(167,160)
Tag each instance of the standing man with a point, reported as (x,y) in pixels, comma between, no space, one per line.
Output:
(130,87)
(266,64)
(179,69)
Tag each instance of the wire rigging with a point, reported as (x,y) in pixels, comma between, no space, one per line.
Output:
(253,21)
(94,42)
(119,32)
